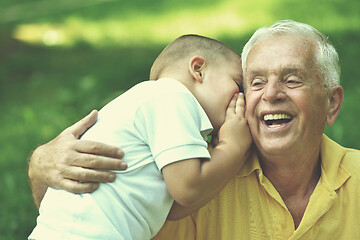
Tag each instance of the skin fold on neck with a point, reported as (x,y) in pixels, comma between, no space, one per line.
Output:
(295,182)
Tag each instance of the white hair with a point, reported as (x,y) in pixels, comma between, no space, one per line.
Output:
(326,57)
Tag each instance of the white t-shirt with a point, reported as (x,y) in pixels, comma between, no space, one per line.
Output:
(156,123)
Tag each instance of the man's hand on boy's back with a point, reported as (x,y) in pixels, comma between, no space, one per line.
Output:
(69,163)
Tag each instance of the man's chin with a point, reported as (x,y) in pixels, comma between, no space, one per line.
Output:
(274,146)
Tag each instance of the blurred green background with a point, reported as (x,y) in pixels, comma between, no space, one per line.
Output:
(61,59)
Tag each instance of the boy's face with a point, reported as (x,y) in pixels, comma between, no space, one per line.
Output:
(221,81)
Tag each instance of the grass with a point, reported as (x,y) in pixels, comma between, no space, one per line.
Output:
(47,85)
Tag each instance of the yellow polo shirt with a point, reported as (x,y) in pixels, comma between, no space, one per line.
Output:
(249,207)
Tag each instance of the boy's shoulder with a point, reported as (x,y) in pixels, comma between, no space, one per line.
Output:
(163,86)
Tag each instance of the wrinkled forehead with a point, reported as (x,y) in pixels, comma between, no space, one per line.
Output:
(279,52)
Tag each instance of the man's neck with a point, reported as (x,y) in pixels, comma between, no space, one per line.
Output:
(294,180)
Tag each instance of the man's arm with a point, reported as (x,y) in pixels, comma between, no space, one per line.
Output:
(70,164)
(193,182)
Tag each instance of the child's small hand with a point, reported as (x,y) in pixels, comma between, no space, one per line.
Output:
(235,129)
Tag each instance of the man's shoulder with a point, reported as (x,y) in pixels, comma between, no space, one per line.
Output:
(352,155)
(351,161)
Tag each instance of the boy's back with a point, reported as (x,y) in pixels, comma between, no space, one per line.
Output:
(147,122)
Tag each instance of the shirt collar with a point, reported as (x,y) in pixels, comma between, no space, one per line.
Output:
(331,156)
(332,171)
(205,124)
(251,164)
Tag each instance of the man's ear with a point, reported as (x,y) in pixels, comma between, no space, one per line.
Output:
(196,68)
(336,98)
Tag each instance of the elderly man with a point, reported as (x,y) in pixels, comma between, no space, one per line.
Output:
(298,184)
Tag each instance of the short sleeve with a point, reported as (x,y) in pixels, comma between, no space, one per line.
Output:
(173,126)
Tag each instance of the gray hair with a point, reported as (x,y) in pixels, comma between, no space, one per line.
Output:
(326,57)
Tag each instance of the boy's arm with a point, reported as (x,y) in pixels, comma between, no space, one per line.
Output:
(69,163)
(194,182)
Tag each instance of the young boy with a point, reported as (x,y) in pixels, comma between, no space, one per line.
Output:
(161,126)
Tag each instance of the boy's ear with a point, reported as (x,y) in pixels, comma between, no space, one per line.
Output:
(336,99)
(196,68)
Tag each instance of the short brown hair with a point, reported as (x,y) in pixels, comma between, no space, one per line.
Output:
(188,46)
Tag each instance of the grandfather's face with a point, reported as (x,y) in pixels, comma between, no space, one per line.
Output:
(286,101)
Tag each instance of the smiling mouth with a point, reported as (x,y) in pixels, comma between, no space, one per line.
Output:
(276,120)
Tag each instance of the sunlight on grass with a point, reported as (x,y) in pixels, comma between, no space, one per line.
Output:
(230,18)
(19,10)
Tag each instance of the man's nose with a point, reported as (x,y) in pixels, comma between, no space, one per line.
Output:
(274,91)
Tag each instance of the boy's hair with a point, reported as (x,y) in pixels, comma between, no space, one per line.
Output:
(188,46)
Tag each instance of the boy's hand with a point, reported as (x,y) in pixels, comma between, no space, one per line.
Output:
(235,130)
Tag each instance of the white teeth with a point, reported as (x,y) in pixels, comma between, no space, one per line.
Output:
(276,116)
(274,126)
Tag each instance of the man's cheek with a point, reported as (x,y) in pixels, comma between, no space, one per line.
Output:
(249,111)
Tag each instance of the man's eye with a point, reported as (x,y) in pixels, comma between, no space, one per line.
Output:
(257,83)
(293,82)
